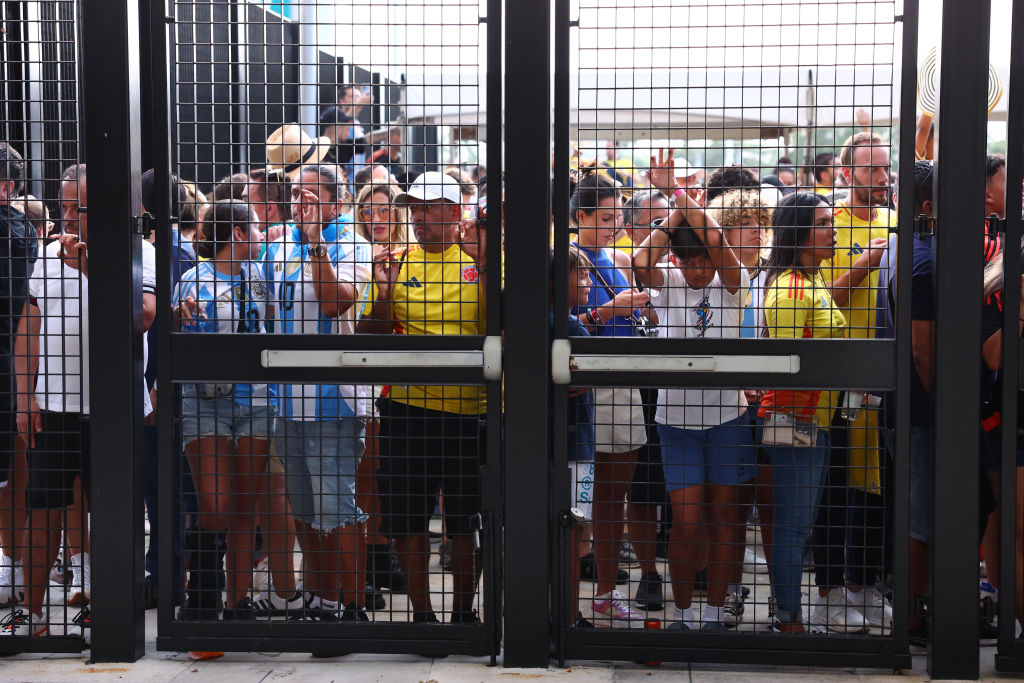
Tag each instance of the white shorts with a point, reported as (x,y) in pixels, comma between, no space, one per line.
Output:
(618,420)
(582,487)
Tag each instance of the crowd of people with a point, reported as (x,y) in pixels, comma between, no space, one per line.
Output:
(331,237)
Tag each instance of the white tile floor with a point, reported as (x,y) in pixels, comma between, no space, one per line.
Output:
(164,666)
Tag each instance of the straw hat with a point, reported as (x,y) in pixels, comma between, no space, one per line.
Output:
(928,83)
(289,149)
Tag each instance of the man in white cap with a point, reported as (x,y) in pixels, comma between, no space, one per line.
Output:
(432,437)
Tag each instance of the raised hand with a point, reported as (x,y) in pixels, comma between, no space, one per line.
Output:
(627,301)
(663,171)
(473,241)
(385,272)
(74,254)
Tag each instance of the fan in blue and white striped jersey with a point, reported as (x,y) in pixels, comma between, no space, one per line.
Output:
(298,311)
(225,305)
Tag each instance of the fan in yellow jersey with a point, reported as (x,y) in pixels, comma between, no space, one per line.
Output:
(843,563)
(431,437)
(797,304)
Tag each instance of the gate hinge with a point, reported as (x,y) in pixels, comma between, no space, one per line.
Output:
(897,19)
(924,226)
(572,517)
(143,225)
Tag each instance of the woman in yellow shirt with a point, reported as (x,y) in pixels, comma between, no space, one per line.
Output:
(797,304)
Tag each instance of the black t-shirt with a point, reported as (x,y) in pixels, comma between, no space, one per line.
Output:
(342,152)
(922,308)
(992,382)
(18,249)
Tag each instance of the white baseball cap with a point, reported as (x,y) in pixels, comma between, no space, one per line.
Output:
(685,170)
(432,185)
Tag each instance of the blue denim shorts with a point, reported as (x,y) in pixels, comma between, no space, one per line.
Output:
(320,460)
(223,417)
(722,455)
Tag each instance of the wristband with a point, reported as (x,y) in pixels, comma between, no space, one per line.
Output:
(668,233)
(679,191)
(595,316)
(590,319)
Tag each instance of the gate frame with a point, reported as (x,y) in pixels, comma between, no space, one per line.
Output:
(879,364)
(227,358)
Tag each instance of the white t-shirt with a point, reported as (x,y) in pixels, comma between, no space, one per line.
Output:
(62,295)
(687,313)
(148,287)
(297,311)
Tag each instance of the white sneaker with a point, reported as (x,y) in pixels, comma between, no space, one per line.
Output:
(20,622)
(754,562)
(6,581)
(65,620)
(80,591)
(19,582)
(615,606)
(875,608)
(835,614)
(732,611)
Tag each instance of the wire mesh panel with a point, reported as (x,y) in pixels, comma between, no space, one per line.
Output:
(45,587)
(732,205)
(329,190)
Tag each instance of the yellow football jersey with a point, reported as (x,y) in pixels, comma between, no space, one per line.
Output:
(799,307)
(437,293)
(853,235)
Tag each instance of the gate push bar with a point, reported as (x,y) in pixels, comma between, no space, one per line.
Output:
(564,363)
(489,359)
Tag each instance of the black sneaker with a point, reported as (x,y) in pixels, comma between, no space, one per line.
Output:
(383,570)
(918,639)
(581,622)
(424,618)
(988,633)
(374,599)
(84,618)
(649,592)
(353,613)
(464,617)
(242,611)
(588,571)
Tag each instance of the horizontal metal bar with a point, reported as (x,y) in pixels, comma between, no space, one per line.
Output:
(50,644)
(823,363)
(240,358)
(739,654)
(371,359)
(763,364)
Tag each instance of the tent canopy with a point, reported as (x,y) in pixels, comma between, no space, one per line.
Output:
(715,104)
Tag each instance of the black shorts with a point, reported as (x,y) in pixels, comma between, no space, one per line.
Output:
(61,453)
(648,485)
(423,452)
(8,423)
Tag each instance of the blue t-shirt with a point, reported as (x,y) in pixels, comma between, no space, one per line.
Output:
(922,307)
(580,409)
(599,294)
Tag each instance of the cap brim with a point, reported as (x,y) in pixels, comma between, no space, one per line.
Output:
(408,197)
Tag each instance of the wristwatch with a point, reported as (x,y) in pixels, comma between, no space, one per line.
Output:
(320,251)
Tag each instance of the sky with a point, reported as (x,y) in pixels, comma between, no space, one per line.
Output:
(409,36)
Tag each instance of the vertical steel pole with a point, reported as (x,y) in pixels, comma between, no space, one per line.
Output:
(1007,658)
(961,132)
(110,55)
(527,349)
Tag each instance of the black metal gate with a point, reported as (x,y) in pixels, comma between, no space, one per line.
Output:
(623,72)
(238,75)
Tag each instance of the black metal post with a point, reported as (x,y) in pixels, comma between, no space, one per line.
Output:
(959,198)
(110,55)
(527,349)
(900,483)
(1008,654)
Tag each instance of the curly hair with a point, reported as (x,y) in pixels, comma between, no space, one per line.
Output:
(731,208)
